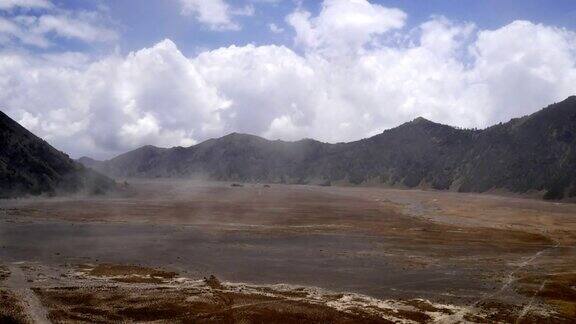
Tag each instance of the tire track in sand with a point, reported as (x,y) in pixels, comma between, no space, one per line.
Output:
(18,283)
(528,306)
(458,317)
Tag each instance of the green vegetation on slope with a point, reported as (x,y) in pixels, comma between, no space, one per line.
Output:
(534,153)
(30,166)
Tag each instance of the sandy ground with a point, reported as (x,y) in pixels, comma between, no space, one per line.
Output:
(288,254)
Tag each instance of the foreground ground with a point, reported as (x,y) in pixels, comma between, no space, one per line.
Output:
(286,254)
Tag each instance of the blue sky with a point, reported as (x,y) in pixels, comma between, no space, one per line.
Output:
(100,78)
(143,23)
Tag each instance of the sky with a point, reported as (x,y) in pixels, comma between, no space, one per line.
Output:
(99,78)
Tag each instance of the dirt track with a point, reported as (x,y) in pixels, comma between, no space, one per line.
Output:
(474,252)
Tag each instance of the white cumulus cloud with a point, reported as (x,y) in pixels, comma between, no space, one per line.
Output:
(38,30)
(344,25)
(275,29)
(345,82)
(216,14)
(153,96)
(30,4)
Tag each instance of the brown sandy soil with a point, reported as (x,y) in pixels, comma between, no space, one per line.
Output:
(4,273)
(189,306)
(476,254)
(130,274)
(11,310)
(22,302)
(316,209)
(552,219)
(558,289)
(86,297)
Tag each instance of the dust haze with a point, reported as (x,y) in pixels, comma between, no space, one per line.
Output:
(226,252)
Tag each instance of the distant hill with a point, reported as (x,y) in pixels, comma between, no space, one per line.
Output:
(88,162)
(30,166)
(536,153)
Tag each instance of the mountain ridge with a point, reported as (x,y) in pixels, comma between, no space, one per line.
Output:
(30,166)
(533,153)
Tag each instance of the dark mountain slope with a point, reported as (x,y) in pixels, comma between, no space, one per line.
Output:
(135,163)
(536,152)
(250,158)
(416,153)
(236,157)
(88,162)
(29,165)
(533,153)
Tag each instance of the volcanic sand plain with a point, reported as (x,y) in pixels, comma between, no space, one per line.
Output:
(190,251)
